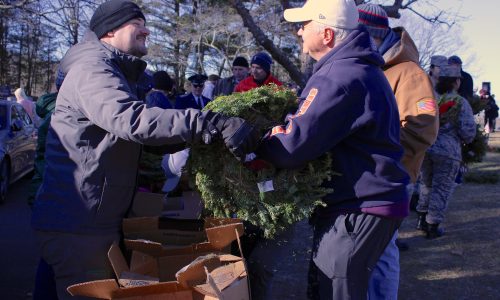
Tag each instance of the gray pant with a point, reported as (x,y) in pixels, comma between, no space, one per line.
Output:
(437,185)
(346,248)
(76,258)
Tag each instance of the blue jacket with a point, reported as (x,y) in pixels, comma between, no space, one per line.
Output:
(348,109)
(187,101)
(158,99)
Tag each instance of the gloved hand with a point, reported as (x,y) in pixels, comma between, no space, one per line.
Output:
(239,136)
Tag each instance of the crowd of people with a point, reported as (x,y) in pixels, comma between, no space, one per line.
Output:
(387,123)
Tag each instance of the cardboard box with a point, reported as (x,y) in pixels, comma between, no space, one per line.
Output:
(161,246)
(212,277)
(130,286)
(189,206)
(216,277)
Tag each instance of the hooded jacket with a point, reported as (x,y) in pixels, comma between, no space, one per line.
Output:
(418,114)
(347,108)
(94,140)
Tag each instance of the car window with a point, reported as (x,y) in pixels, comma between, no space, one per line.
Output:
(24,116)
(3,117)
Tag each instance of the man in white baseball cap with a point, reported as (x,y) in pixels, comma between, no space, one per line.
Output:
(347,109)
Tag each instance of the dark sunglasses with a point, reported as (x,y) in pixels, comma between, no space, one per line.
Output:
(197,85)
(303,25)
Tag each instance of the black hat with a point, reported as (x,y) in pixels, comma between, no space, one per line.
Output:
(240,61)
(198,79)
(162,81)
(112,14)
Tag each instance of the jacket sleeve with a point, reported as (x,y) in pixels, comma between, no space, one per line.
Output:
(466,123)
(105,99)
(325,116)
(417,113)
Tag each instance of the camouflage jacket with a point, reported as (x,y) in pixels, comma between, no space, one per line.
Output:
(453,132)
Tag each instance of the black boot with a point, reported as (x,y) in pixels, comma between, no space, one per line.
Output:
(421,223)
(433,231)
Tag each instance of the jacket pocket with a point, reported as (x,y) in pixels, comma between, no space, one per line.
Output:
(114,202)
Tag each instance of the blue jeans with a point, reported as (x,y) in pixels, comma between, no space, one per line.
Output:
(384,281)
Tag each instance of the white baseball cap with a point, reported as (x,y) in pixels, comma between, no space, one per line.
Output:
(341,14)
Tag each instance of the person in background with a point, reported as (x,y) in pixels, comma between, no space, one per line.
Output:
(45,284)
(208,89)
(240,71)
(466,88)
(442,160)
(94,143)
(195,99)
(490,111)
(417,117)
(436,62)
(28,105)
(347,109)
(260,71)
(159,95)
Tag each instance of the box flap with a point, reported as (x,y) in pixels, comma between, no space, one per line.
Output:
(194,273)
(117,260)
(160,291)
(142,263)
(226,282)
(102,289)
(222,236)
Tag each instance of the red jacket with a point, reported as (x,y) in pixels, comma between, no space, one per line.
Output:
(248,83)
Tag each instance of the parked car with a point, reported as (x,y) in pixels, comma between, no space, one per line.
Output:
(18,136)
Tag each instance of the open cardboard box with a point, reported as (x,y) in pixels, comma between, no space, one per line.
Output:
(211,277)
(161,246)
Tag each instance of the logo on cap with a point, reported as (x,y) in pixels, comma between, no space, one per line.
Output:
(321,17)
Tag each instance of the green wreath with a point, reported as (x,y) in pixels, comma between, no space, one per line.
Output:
(228,188)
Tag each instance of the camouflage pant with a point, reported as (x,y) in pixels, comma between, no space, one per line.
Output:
(437,185)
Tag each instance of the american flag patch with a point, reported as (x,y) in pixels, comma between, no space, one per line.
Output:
(426,105)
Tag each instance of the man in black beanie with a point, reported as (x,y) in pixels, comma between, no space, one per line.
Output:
(240,71)
(94,143)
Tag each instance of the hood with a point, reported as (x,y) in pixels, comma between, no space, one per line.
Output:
(91,48)
(354,47)
(403,51)
(45,104)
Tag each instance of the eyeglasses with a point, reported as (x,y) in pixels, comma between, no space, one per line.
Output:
(197,85)
(303,25)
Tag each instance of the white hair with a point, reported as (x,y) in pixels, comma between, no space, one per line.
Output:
(20,94)
(339,34)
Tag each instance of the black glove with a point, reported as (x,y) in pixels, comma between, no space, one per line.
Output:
(239,136)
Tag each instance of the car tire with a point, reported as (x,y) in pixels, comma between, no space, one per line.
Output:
(4,180)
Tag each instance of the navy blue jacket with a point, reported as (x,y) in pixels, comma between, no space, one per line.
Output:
(188,101)
(348,109)
(157,99)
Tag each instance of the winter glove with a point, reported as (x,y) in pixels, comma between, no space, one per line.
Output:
(239,136)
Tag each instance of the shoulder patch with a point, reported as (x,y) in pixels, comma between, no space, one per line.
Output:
(426,105)
(302,110)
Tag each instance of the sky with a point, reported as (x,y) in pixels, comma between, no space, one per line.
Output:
(482,34)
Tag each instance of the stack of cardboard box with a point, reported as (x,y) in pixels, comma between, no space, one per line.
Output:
(173,258)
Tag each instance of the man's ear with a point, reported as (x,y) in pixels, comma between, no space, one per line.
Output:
(328,37)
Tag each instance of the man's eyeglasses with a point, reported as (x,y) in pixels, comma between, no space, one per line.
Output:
(303,25)
(197,85)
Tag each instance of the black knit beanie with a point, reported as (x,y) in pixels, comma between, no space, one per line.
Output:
(112,14)
(263,60)
(240,61)
(162,81)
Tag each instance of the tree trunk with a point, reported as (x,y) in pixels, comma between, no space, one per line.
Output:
(260,37)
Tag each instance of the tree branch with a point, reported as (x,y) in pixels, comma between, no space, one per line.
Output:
(267,44)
